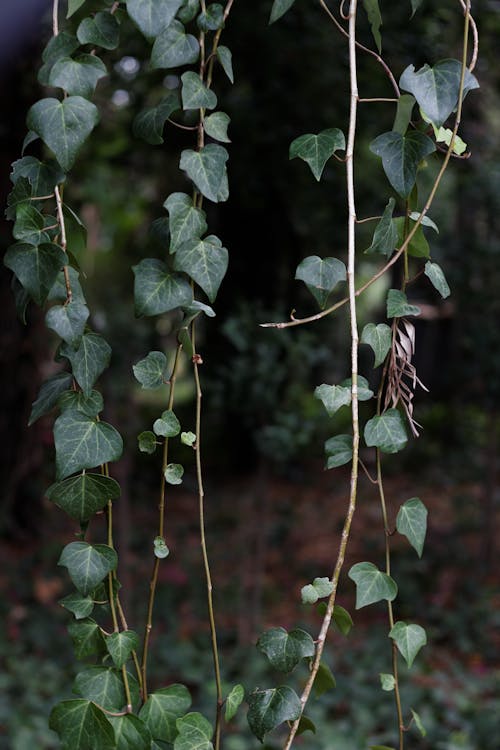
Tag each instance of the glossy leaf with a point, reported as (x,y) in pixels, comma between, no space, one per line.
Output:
(437,278)
(385,236)
(168,425)
(324,680)
(401,156)
(86,637)
(194,733)
(207,169)
(387,432)
(387,682)
(225,57)
(151,371)
(342,619)
(77,76)
(36,267)
(152,16)
(101,30)
(130,733)
(30,226)
(173,48)
(195,94)
(68,321)
(147,442)
(42,177)
(88,565)
(398,305)
(279,8)
(212,19)
(20,195)
(216,125)
(411,521)
(375,20)
(318,589)
(371,584)
(102,685)
(338,450)
(174,473)
(63,126)
(89,361)
(83,495)
(162,709)
(233,701)
(205,261)
(90,405)
(409,639)
(321,276)
(333,397)
(83,443)
(379,338)
(286,649)
(149,123)
(426,220)
(157,290)
(315,150)
(49,394)
(267,709)
(80,724)
(80,606)
(120,646)
(185,221)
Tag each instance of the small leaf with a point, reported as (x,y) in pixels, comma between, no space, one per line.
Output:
(160,548)
(68,321)
(385,236)
(30,225)
(83,443)
(406,102)
(89,361)
(151,371)
(216,124)
(305,725)
(379,337)
(80,606)
(338,450)
(188,438)
(375,20)
(315,150)
(386,432)
(157,290)
(194,733)
(233,701)
(426,220)
(83,495)
(102,685)
(88,565)
(77,76)
(149,123)
(90,405)
(319,588)
(364,391)
(87,638)
(147,442)
(342,619)
(49,395)
(36,268)
(73,6)
(162,709)
(286,649)
(398,306)
(205,261)
(130,733)
(333,397)
(324,680)
(418,246)
(168,425)
(321,276)
(409,639)
(401,156)
(188,10)
(213,19)
(120,646)
(225,58)
(101,30)
(387,681)
(437,278)
(185,221)
(418,722)
(80,724)
(411,521)
(371,584)
(174,473)
(173,48)
(195,94)
(270,708)
(152,16)
(207,169)
(279,8)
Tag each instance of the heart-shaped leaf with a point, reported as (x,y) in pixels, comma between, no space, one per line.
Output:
(205,261)
(342,619)
(41,176)
(88,565)
(168,425)
(401,156)
(86,636)
(157,290)
(233,701)
(84,495)
(49,395)
(386,432)
(83,443)
(385,236)
(90,405)
(80,606)
(80,724)
(315,150)
(195,94)
(318,589)
(151,371)
(437,278)
(324,680)
(411,521)
(194,733)
(30,225)
(68,321)
(101,30)
(153,16)
(174,473)
(185,221)
(102,685)
(207,169)
(338,450)
(89,360)
(398,305)
(147,442)
(77,76)
(321,276)
(36,267)
(162,709)
(212,19)
(379,337)
(268,709)
(173,48)
(409,639)
(387,682)
(286,649)
(371,584)
(120,646)
(333,397)
(149,123)
(130,733)
(216,126)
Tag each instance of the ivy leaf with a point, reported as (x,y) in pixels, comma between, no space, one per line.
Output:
(149,123)
(160,548)
(49,395)
(324,680)
(73,6)
(385,236)
(398,306)
(80,606)
(411,521)
(194,93)
(194,733)
(152,16)
(364,391)
(409,639)
(174,473)
(216,125)
(86,637)
(205,261)
(168,425)
(151,371)
(185,221)
(338,450)
(80,724)
(387,682)
(342,619)
(207,169)
(225,57)
(418,722)
(89,360)
(333,397)
(157,290)
(401,156)
(386,432)
(63,126)
(42,177)
(418,246)
(147,442)
(68,321)
(84,495)
(88,565)
(83,443)
(188,10)
(375,20)
(437,278)
(36,268)
(426,220)
(162,709)
(18,196)
(286,649)
(102,685)
(120,646)
(436,89)
(305,725)
(30,225)
(58,292)
(90,405)
(318,589)
(130,733)
(321,276)
(371,584)
(270,708)
(279,8)
(404,110)
(315,150)
(188,438)
(233,701)
(173,48)
(379,338)
(61,45)
(213,19)
(101,30)
(78,76)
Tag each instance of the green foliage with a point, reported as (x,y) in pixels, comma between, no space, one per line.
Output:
(371,584)
(157,290)
(321,276)
(315,150)
(153,16)
(80,723)
(101,30)
(194,733)
(401,156)
(82,496)
(151,371)
(409,639)
(162,709)
(279,8)
(207,169)
(386,432)
(88,564)
(437,278)
(168,425)
(412,522)
(285,649)
(379,338)
(173,47)
(385,235)
(83,443)
(267,709)
(233,701)
(397,305)
(318,589)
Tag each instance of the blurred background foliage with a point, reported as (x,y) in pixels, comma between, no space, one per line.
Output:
(267,492)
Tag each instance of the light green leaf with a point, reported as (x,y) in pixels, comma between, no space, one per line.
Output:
(83,495)
(160,548)
(333,397)
(83,443)
(207,169)
(411,521)
(319,588)
(90,405)
(30,225)
(286,649)
(151,371)
(188,438)
(152,16)
(426,220)
(375,20)
(101,30)
(149,123)
(68,321)
(185,221)
(315,150)
(147,442)
(268,709)
(338,450)
(130,733)
(102,685)
(279,8)
(88,564)
(213,19)
(205,261)
(216,126)
(77,76)
(89,361)
(36,268)
(321,276)
(168,425)
(398,306)
(379,337)
(86,637)
(233,701)
(324,680)
(194,733)
(371,584)
(418,246)
(63,126)
(418,722)
(120,646)
(157,290)
(80,606)
(174,473)
(162,709)
(409,639)
(342,619)
(173,48)
(49,395)
(387,681)
(385,236)
(80,724)
(364,391)
(387,432)
(444,135)
(225,58)
(73,6)
(406,102)
(437,278)
(194,93)
(401,156)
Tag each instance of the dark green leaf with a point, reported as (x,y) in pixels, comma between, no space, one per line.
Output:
(371,584)
(63,126)
(188,10)
(78,76)
(152,16)
(279,8)
(324,680)
(205,261)
(84,495)
(30,225)
(157,290)
(401,156)
(174,473)
(411,521)
(270,708)
(225,58)
(338,450)
(73,6)
(213,19)
(375,20)
(286,649)
(168,425)
(194,733)
(233,701)
(386,432)
(151,371)
(80,606)
(130,733)
(120,646)
(437,278)
(333,397)
(194,93)
(18,196)
(80,724)
(58,292)
(102,685)
(89,360)
(41,176)
(186,222)
(321,276)
(49,394)
(162,709)
(406,102)
(83,443)
(21,299)
(147,442)
(398,306)
(90,405)
(61,45)
(342,619)
(174,48)
(102,30)
(86,637)
(409,639)
(88,565)
(379,338)
(418,246)
(315,150)
(216,125)
(68,321)
(35,267)
(385,236)
(207,169)
(149,123)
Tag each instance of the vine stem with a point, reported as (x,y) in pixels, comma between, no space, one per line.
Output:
(55,17)
(64,242)
(321,640)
